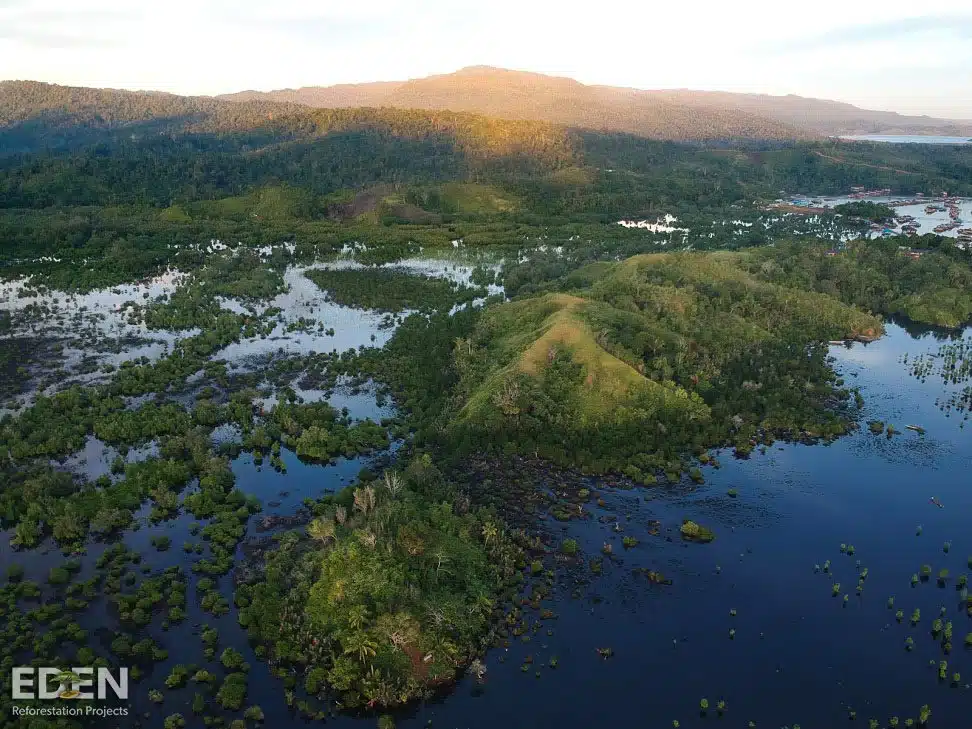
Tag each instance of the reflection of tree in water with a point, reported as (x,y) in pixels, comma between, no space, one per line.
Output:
(952,363)
(918,330)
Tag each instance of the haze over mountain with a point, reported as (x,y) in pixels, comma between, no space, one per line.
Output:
(662,114)
(509,94)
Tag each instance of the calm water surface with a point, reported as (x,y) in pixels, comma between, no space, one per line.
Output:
(799,655)
(907,139)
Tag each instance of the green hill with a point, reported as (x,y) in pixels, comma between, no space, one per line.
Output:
(661,355)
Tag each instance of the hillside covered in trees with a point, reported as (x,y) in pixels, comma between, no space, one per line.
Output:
(63,147)
(629,366)
(650,113)
(509,94)
(659,355)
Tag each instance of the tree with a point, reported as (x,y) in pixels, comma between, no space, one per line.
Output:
(393,483)
(321,530)
(359,644)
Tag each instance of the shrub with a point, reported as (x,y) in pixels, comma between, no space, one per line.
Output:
(254,713)
(233,691)
(177,677)
(58,576)
(231,659)
(695,532)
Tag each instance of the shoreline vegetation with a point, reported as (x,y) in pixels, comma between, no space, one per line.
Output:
(662,356)
(613,352)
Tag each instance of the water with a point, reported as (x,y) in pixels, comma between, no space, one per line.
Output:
(926,221)
(907,139)
(353,328)
(798,655)
(90,330)
(80,324)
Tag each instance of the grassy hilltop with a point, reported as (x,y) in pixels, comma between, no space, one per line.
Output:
(660,354)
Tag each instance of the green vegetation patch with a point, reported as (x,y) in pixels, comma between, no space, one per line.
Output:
(876,276)
(391,290)
(875,212)
(652,358)
(390,594)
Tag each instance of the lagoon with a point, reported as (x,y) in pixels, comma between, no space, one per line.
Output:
(905,139)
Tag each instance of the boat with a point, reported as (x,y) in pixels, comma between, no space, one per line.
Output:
(917,428)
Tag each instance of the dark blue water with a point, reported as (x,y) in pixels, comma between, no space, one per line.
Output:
(799,656)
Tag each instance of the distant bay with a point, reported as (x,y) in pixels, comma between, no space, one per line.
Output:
(906,139)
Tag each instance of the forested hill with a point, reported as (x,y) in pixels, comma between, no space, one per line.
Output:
(37,117)
(819,115)
(62,146)
(656,114)
(508,94)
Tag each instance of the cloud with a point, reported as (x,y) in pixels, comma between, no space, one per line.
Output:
(899,30)
(49,27)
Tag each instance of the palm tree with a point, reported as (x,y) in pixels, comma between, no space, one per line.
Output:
(483,604)
(360,644)
(357,617)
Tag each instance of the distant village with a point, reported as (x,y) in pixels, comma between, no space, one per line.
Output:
(909,224)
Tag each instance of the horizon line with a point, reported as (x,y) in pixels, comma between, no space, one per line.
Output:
(488,67)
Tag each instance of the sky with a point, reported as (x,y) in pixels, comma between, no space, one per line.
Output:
(900,55)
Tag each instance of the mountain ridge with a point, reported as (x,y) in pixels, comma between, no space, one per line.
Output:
(811,116)
(522,95)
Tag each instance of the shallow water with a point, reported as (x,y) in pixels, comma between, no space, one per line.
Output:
(798,656)
(88,327)
(927,222)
